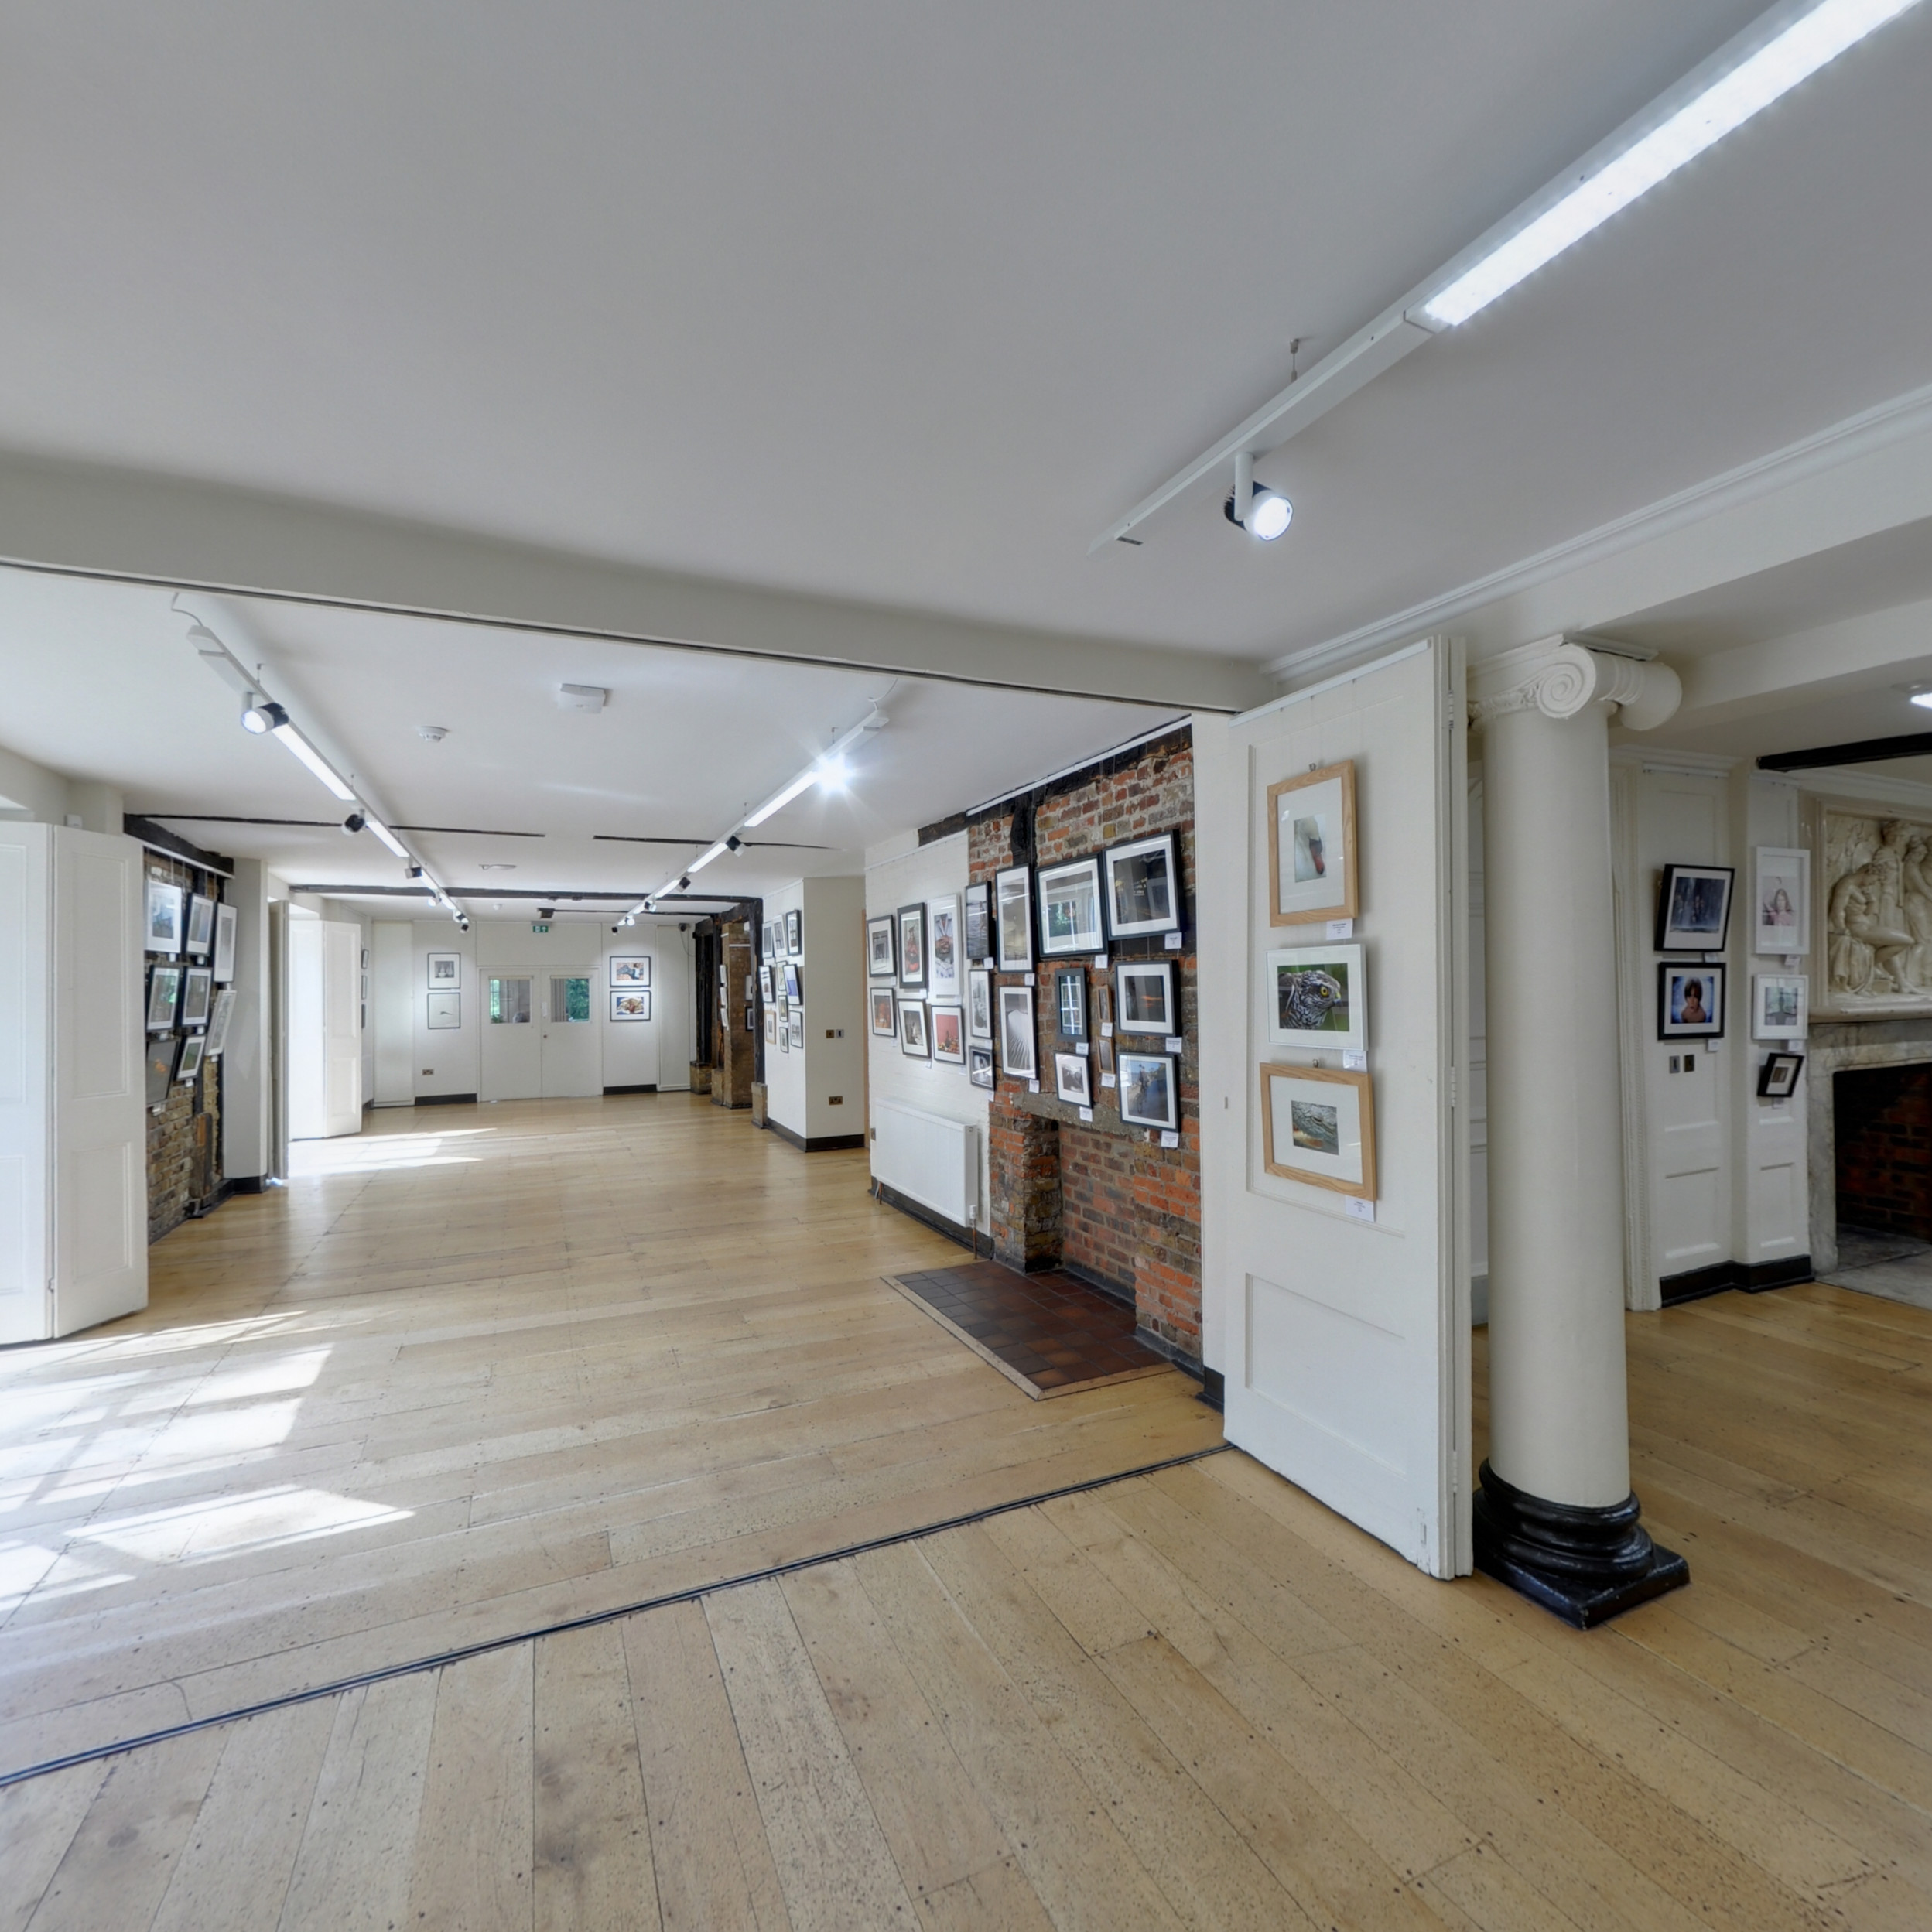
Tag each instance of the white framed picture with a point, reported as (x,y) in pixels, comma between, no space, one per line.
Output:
(885,1019)
(631,1004)
(1318,997)
(1781,901)
(913,1038)
(1013,918)
(445,1012)
(630,969)
(1318,1126)
(198,937)
(1019,1052)
(1143,894)
(1150,1096)
(911,925)
(218,1022)
(1070,909)
(979,1004)
(446,971)
(943,943)
(164,917)
(164,996)
(1073,1079)
(224,930)
(1781,1006)
(1146,997)
(197,995)
(192,1049)
(1311,847)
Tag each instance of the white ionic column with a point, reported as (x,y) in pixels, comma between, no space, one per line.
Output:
(1559,1433)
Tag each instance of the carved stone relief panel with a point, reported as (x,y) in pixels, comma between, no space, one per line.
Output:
(1872,912)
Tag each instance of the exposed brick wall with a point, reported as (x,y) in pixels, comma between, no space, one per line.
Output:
(184,1139)
(1100,1209)
(1024,1166)
(1882,1125)
(736,1060)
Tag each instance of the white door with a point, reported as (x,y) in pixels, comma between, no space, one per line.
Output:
(572,1066)
(325,1032)
(100,1106)
(512,1035)
(1343,1323)
(26,1106)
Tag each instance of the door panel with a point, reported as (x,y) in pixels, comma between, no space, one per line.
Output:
(512,1037)
(572,1063)
(342,1026)
(25,1103)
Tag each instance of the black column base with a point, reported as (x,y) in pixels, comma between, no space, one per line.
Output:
(1584,1564)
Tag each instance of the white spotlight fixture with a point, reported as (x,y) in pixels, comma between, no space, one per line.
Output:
(1253,507)
(1923,699)
(262,717)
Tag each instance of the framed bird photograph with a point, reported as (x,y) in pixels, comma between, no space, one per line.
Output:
(1318,996)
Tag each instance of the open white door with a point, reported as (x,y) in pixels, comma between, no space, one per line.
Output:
(1342,1323)
(26,1060)
(325,1029)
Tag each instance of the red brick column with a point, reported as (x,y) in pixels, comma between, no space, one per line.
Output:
(1023,1161)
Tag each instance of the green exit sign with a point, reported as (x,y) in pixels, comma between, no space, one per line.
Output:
(539,926)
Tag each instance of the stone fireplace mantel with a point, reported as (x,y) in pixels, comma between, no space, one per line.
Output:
(1834,1046)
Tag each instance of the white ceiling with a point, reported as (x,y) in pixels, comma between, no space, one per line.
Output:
(904,305)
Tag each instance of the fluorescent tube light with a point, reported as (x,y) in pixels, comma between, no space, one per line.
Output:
(716,852)
(1729,100)
(313,760)
(779,800)
(387,837)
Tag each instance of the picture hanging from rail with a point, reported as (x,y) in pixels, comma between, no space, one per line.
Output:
(1689,1002)
(979,1066)
(1781,1006)
(445,971)
(164,996)
(1311,847)
(942,960)
(1778,1077)
(785,1034)
(911,923)
(1149,1092)
(164,917)
(1146,997)
(879,960)
(771,1025)
(193,1048)
(797,1026)
(794,933)
(766,985)
(630,969)
(979,1003)
(1070,1002)
(197,995)
(1693,908)
(1012,890)
(885,1014)
(1782,918)
(198,939)
(224,921)
(978,924)
(1018,1051)
(1072,1080)
(218,1022)
(631,1006)
(1318,996)
(1142,895)
(913,1038)
(445,1012)
(949,1035)
(160,1070)
(794,981)
(1318,1125)
(1070,909)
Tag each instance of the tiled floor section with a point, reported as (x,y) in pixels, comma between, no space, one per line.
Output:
(1048,1332)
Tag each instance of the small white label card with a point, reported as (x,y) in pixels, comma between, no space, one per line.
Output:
(1712,1046)
(1168,1139)
(1099,962)
(1355,1060)
(1033,1086)
(1086,1113)
(1030,981)
(1343,929)
(1107,1029)
(1083,1048)
(1362,1210)
(1106,1080)
(1174,1043)
(1173,941)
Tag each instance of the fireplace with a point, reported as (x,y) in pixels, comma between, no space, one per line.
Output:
(1882,1131)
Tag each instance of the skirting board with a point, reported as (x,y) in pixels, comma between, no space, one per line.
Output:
(1722,1275)
(445,1100)
(822,1144)
(938,1222)
(643,1086)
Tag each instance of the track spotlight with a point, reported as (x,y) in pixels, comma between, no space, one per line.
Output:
(1261,512)
(263,718)
(733,843)
(353,823)
(546,912)
(684,882)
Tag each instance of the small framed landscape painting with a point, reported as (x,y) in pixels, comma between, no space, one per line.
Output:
(1070,909)
(164,917)
(949,1035)
(197,995)
(1318,1126)
(1013,916)
(224,928)
(1781,916)
(164,996)
(912,921)
(1070,1002)
(1148,1095)
(630,969)
(635,1005)
(1143,896)
(445,1012)
(1781,1006)
(1689,1002)
(1146,997)
(1018,1051)
(913,1038)
(1317,997)
(1311,847)
(1693,908)
(879,960)
(1778,1077)
(1073,1079)
(942,947)
(445,971)
(979,1004)
(978,924)
(884,1016)
(199,937)
(794,933)
(979,1066)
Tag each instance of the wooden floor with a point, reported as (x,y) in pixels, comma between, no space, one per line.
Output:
(1194,1698)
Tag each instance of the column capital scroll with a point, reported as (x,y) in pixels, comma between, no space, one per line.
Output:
(1561,678)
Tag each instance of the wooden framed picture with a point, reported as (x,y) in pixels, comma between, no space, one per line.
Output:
(1690,1001)
(979,1004)
(198,938)
(197,995)
(164,996)
(1013,918)
(1073,1079)
(978,925)
(1149,1092)
(1318,997)
(1781,901)
(880,963)
(948,1028)
(1070,1002)
(632,1005)
(943,945)
(914,1039)
(224,931)
(1146,997)
(885,1019)
(446,971)
(1693,908)
(1781,1006)
(1311,847)
(218,1019)
(1778,1077)
(1144,893)
(1070,917)
(192,1049)
(630,969)
(1318,1125)
(911,925)
(979,1066)
(794,933)
(1019,1053)
(164,917)
(445,1012)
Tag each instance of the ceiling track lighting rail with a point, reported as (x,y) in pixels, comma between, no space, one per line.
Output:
(1779,50)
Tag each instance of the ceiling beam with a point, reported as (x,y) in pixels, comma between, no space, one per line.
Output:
(1910,744)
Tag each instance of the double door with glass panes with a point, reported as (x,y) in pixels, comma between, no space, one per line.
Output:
(540,1035)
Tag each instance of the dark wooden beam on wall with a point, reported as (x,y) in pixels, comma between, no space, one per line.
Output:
(1912,744)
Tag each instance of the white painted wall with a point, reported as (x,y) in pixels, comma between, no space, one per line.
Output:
(392,1033)
(820,1092)
(39,795)
(445,1061)
(244,1059)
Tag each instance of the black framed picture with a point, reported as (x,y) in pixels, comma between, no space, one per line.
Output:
(979,1066)
(164,996)
(880,961)
(1143,895)
(1070,1002)
(1690,1001)
(1693,907)
(1150,1095)
(911,924)
(1073,1079)
(160,1070)
(1778,1077)
(1012,917)
(794,933)
(1070,916)
(197,994)
(913,1037)
(978,924)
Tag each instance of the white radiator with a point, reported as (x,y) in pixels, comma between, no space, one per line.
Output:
(929,1159)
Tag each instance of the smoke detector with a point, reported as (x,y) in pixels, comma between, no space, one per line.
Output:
(581,697)
(432,734)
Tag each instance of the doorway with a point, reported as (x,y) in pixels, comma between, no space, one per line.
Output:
(540,1035)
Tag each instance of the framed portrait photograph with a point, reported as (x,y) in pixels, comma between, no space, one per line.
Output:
(1781,901)
(914,1039)
(885,1017)
(193,1050)
(1146,997)
(1150,1094)
(446,971)
(224,930)
(1073,1079)
(445,1012)
(978,924)
(1144,893)
(795,1027)
(1070,1002)
(794,981)
(164,917)
(1019,1052)
(198,936)
(1781,1006)
(880,961)
(164,996)
(1013,918)
(794,933)
(634,1005)
(948,1028)
(912,928)
(1778,1077)
(630,969)
(1689,1002)
(159,1076)
(979,1066)
(197,995)
(1317,997)
(771,1025)
(1311,847)
(979,1004)
(1318,1125)
(1070,919)
(1693,908)
(943,943)
(219,1017)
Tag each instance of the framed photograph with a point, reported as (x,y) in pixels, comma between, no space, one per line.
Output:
(948,1025)
(1781,910)
(630,969)
(224,929)
(446,971)
(199,936)
(1778,1077)
(1318,1125)
(796,1029)
(218,1021)
(164,917)
(1018,1053)
(164,996)
(1150,1094)
(784,1008)
(794,933)
(751,1019)
(1144,893)
(911,924)
(1689,1002)
(1103,1052)
(1013,914)
(445,1012)
(1781,1006)
(979,1004)
(1146,997)
(1693,908)
(1070,1002)
(160,1070)
(192,1049)
(771,1025)
(197,994)
(913,1037)
(978,924)
(880,961)
(794,982)
(1311,847)
(631,1006)
(979,1066)
(767,991)
(943,941)
(1073,1079)
(1070,909)
(1318,996)
(885,1019)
